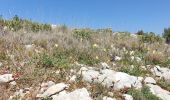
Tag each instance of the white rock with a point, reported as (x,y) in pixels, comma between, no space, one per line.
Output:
(108,98)
(105,65)
(110,78)
(140,79)
(6,78)
(149,80)
(90,75)
(143,67)
(106,77)
(79,94)
(29,47)
(73,78)
(110,94)
(158,91)
(161,72)
(127,97)
(82,69)
(117,58)
(113,64)
(13,83)
(54,89)
(124,80)
(50,83)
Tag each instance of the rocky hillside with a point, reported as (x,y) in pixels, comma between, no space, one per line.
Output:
(83,64)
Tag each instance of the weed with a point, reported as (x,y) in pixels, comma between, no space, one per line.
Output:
(143,94)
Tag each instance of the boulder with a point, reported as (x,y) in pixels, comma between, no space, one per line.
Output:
(53,90)
(73,79)
(158,91)
(6,78)
(127,97)
(110,78)
(105,65)
(124,80)
(90,75)
(161,72)
(79,94)
(149,80)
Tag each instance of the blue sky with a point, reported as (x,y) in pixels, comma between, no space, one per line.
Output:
(120,15)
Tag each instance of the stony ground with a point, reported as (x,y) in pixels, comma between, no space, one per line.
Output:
(58,65)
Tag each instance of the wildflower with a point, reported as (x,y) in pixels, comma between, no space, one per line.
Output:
(104,49)
(97,57)
(95,46)
(56,45)
(112,46)
(131,52)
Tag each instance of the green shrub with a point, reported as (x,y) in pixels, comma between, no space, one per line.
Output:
(82,33)
(46,61)
(87,59)
(166,35)
(150,38)
(16,24)
(136,70)
(143,94)
(47,98)
(58,61)
(140,32)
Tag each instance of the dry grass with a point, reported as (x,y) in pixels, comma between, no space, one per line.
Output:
(20,61)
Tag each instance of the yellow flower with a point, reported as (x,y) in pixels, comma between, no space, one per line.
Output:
(97,57)
(95,46)
(104,50)
(112,46)
(56,45)
(81,39)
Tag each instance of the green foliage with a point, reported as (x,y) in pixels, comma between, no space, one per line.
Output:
(47,98)
(59,60)
(166,35)
(87,59)
(135,70)
(47,61)
(143,94)
(165,63)
(150,38)
(16,24)
(83,33)
(35,27)
(107,30)
(140,32)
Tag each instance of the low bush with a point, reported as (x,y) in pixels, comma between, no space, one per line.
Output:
(150,38)
(166,35)
(83,33)
(143,94)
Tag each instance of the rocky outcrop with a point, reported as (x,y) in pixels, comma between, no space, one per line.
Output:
(6,78)
(78,94)
(110,78)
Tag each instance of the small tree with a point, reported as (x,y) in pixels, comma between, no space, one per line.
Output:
(140,32)
(166,35)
